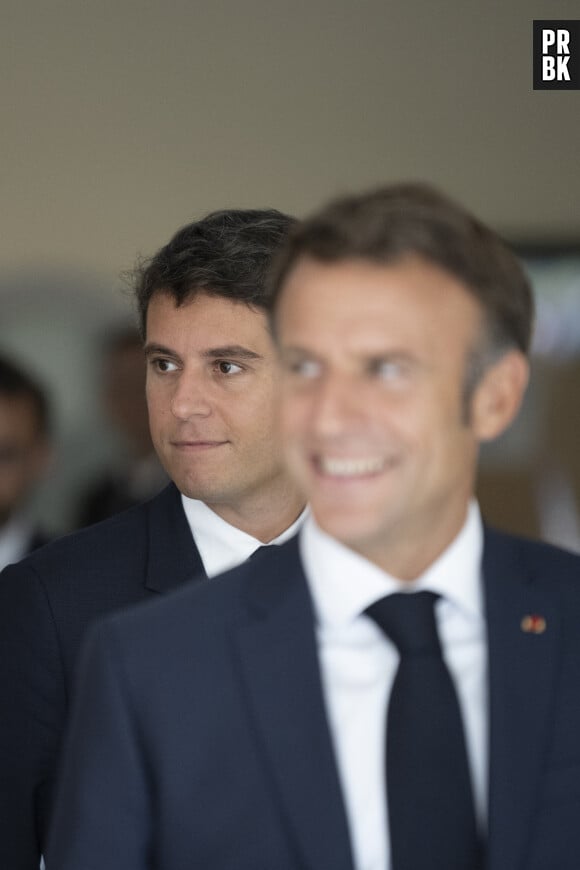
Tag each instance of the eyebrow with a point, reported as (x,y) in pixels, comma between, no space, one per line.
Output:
(237,351)
(150,349)
(373,353)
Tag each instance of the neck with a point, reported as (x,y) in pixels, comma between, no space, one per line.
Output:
(407,557)
(265,515)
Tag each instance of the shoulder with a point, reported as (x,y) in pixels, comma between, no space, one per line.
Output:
(100,543)
(199,612)
(89,571)
(540,561)
(50,599)
(529,547)
(106,542)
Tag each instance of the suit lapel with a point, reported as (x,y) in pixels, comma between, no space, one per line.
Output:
(172,555)
(522,677)
(279,659)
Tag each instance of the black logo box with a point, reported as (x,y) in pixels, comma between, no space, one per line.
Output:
(573,63)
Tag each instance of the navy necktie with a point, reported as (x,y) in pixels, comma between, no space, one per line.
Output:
(259,550)
(430,803)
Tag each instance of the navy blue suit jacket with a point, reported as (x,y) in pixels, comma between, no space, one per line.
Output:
(200,738)
(47,601)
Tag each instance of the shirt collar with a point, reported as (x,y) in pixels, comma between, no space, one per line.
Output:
(221,545)
(343,583)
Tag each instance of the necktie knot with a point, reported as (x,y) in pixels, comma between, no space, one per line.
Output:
(408,620)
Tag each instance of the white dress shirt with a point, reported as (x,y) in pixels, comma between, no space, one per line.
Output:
(221,545)
(358,665)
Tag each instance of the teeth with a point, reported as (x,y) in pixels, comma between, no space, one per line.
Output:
(350,467)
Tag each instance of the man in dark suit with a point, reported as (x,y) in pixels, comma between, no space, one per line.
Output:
(247,724)
(25,451)
(211,389)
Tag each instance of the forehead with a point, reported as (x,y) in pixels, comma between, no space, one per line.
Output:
(202,315)
(358,302)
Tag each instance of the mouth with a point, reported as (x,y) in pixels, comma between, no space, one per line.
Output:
(193,446)
(348,468)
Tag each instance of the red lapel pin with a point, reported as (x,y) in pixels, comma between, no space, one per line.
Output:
(533,623)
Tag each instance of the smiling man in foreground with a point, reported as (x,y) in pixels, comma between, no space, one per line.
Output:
(406,693)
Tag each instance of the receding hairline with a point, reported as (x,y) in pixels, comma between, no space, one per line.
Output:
(390,261)
(384,225)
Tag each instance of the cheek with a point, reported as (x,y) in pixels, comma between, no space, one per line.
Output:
(431,419)
(256,410)
(151,399)
(156,421)
(158,400)
(399,421)
(293,419)
(445,443)
(250,421)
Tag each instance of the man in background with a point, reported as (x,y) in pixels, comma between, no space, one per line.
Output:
(24,457)
(406,694)
(211,392)
(138,474)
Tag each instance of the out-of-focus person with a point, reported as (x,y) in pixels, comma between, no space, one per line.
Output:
(138,474)
(25,454)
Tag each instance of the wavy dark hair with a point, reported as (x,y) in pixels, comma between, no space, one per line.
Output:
(228,253)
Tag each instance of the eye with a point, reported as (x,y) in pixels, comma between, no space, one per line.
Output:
(303,368)
(224,367)
(388,369)
(164,366)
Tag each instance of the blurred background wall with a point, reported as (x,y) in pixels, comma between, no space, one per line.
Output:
(123,120)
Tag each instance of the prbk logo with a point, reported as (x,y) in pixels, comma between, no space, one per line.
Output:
(556,55)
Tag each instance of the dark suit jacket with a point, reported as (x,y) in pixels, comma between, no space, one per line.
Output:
(36,540)
(200,739)
(46,603)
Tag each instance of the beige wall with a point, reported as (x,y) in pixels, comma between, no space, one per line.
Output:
(122,119)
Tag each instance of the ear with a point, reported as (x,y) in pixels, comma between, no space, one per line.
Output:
(498,396)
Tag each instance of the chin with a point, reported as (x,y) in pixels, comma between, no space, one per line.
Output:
(348,528)
(192,488)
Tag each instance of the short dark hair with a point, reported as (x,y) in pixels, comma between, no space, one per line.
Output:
(414,219)
(15,383)
(227,253)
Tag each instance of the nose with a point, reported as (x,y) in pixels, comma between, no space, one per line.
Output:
(336,405)
(190,397)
